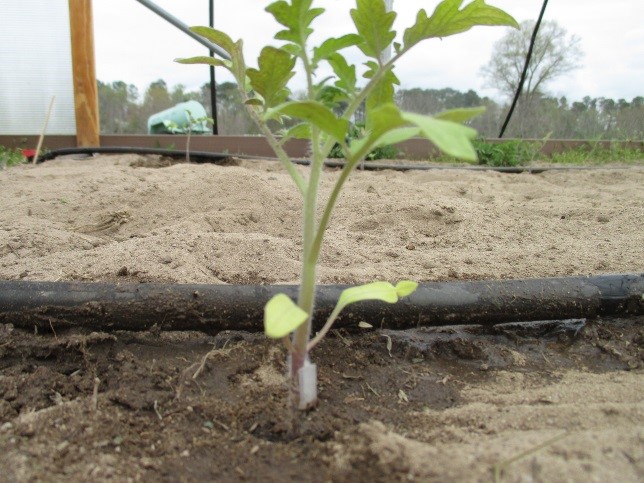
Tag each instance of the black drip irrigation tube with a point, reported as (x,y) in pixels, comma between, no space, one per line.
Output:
(53,306)
(223,158)
(195,156)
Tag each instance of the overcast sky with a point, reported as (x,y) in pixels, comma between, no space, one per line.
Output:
(136,46)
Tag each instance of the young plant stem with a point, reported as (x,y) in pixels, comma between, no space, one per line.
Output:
(328,209)
(319,236)
(277,148)
(266,95)
(313,245)
(351,162)
(361,96)
(364,93)
(312,237)
(306,296)
(327,326)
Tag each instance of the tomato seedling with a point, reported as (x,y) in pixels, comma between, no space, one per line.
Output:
(265,93)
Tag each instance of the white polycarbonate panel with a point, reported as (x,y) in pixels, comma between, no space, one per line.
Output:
(35,64)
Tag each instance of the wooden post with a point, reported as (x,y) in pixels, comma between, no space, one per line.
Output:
(84,71)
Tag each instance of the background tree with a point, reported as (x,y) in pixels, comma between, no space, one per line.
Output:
(629,119)
(156,99)
(232,117)
(118,107)
(179,95)
(122,111)
(555,53)
(433,101)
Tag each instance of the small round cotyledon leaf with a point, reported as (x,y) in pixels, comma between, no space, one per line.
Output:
(383,291)
(406,287)
(282,316)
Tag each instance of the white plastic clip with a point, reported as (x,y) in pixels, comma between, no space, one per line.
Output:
(308,385)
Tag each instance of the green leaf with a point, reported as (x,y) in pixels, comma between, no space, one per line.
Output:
(460,115)
(373,23)
(218,38)
(382,93)
(296,17)
(385,118)
(345,72)
(372,68)
(254,102)
(315,113)
(447,20)
(270,80)
(383,291)
(236,64)
(299,131)
(406,287)
(333,45)
(282,316)
(396,136)
(382,120)
(204,59)
(292,49)
(450,137)
(331,95)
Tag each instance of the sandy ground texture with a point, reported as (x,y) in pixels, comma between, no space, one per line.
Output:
(112,217)
(561,402)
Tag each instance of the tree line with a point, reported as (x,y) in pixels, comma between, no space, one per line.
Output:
(538,114)
(124,111)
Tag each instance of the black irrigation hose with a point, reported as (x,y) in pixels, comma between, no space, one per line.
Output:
(222,158)
(371,166)
(196,156)
(55,306)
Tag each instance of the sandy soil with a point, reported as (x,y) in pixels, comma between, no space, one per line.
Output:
(88,220)
(562,404)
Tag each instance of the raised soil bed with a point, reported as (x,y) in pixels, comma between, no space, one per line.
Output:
(548,402)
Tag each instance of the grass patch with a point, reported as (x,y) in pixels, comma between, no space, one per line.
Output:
(595,153)
(509,153)
(520,153)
